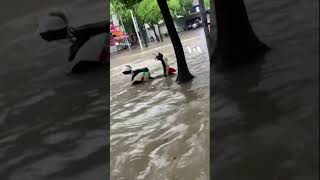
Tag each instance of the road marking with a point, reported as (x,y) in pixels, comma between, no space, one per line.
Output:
(164,46)
(194,49)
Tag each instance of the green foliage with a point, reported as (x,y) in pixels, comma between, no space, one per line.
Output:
(155,15)
(128,4)
(207,4)
(187,5)
(174,5)
(180,7)
(146,11)
(116,8)
(143,10)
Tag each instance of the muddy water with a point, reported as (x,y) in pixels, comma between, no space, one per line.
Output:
(52,126)
(265,119)
(160,130)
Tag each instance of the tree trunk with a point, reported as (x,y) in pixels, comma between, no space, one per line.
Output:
(154,31)
(183,72)
(237,43)
(143,34)
(213,32)
(134,36)
(160,35)
(203,13)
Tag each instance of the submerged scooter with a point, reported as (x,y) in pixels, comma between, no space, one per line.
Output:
(55,27)
(143,74)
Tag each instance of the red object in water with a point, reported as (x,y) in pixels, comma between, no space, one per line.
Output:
(171,70)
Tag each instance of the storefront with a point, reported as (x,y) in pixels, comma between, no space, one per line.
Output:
(117,37)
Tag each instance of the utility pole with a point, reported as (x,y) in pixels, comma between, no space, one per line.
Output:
(136,28)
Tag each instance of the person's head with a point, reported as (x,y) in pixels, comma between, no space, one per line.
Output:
(126,70)
(159,56)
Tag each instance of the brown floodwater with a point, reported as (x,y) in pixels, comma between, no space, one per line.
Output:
(52,126)
(265,116)
(159,129)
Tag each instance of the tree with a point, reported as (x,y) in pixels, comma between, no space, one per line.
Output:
(203,14)
(180,7)
(236,42)
(183,72)
(118,9)
(212,31)
(128,3)
(140,11)
(187,6)
(207,4)
(174,7)
(154,17)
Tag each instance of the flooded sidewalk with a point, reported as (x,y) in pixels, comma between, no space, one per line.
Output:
(159,129)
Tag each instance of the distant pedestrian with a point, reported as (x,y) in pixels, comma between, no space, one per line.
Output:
(151,39)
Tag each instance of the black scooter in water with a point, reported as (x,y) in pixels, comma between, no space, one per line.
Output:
(55,26)
(143,74)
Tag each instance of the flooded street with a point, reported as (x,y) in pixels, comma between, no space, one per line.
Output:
(265,123)
(159,129)
(52,126)
(264,117)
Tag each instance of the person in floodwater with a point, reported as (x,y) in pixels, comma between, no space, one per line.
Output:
(138,75)
(151,39)
(143,74)
(55,26)
(167,70)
